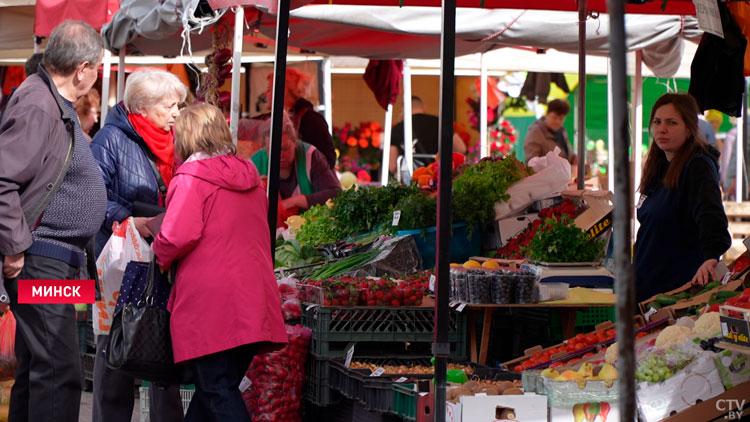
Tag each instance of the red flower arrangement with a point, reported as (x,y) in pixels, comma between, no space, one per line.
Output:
(361,144)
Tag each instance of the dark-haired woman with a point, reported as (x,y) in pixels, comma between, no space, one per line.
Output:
(683,230)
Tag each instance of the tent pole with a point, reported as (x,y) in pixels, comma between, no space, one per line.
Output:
(121,74)
(624,274)
(637,100)
(327,87)
(106,75)
(441,346)
(610,131)
(740,149)
(483,144)
(234,114)
(277,117)
(581,94)
(408,133)
(386,145)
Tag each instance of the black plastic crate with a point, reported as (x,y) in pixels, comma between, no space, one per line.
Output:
(318,389)
(87,371)
(334,327)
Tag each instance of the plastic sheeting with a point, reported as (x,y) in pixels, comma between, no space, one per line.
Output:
(414,32)
(382,32)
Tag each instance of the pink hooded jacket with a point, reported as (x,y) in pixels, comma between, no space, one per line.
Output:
(216,229)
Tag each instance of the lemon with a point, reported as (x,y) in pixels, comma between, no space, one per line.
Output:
(454,265)
(490,264)
(471,264)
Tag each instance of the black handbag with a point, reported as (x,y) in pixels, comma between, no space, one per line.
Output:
(140,343)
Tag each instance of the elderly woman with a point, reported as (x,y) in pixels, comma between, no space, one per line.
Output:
(87,109)
(135,153)
(683,230)
(306,179)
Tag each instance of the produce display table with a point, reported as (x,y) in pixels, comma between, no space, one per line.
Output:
(567,319)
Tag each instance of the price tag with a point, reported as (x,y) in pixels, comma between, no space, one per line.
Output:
(452,303)
(349,356)
(432,282)
(378,372)
(709,19)
(402,379)
(648,314)
(396,217)
(245,384)
(461,307)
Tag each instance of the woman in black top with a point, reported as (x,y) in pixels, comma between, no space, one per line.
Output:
(683,228)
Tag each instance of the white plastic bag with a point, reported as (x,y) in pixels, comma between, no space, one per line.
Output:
(552,174)
(125,245)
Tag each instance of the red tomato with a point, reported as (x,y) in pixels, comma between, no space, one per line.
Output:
(574,360)
(591,339)
(556,364)
(641,334)
(580,346)
(587,355)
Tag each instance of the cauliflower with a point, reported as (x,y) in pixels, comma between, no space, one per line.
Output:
(708,325)
(672,336)
(611,354)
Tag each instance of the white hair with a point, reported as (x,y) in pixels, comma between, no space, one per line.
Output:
(145,88)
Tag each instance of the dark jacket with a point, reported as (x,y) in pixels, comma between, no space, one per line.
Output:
(680,228)
(34,143)
(127,172)
(312,128)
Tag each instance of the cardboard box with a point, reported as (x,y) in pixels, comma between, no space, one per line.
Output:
(597,218)
(509,227)
(525,408)
(696,300)
(735,330)
(567,414)
(733,367)
(699,381)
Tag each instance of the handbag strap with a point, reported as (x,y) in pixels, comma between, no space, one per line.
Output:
(151,158)
(149,293)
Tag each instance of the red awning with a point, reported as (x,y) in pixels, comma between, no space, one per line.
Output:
(50,13)
(673,7)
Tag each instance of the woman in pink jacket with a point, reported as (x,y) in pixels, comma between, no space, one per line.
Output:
(225,301)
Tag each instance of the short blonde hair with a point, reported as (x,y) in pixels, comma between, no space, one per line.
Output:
(202,127)
(145,88)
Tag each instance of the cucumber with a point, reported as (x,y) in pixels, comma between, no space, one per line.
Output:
(666,300)
(682,296)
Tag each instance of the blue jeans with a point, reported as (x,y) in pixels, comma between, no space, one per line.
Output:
(217,380)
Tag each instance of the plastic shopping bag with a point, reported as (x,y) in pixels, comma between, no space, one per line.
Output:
(7,346)
(125,245)
(273,386)
(552,174)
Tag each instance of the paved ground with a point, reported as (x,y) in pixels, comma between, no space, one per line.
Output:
(85,416)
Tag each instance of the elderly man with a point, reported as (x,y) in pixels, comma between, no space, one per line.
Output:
(52,202)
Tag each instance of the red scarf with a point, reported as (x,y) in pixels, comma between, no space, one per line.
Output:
(160,142)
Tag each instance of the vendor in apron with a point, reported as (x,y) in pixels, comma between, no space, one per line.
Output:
(306,179)
(683,227)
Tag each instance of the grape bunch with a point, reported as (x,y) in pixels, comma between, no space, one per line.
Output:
(655,368)
(710,345)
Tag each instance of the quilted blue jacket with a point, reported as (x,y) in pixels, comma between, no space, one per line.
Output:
(127,173)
